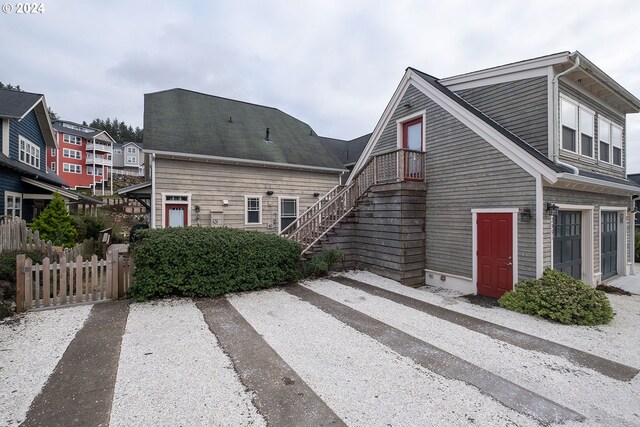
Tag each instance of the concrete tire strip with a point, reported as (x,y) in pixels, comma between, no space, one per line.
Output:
(599,364)
(79,392)
(441,362)
(281,396)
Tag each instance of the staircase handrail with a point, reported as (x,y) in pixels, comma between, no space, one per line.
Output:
(304,217)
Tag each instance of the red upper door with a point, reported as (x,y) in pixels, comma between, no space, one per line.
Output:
(495,254)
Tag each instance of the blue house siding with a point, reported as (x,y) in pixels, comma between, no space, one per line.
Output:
(9,181)
(29,128)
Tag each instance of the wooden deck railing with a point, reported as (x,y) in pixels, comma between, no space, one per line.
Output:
(315,222)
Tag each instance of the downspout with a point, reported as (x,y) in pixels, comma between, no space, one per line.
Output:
(632,238)
(556,115)
(153,190)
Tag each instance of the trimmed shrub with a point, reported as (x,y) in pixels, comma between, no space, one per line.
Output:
(561,298)
(207,262)
(87,227)
(320,265)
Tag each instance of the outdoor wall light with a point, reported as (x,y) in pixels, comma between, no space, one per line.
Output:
(552,209)
(525,215)
(225,203)
(197,208)
(269,193)
(316,194)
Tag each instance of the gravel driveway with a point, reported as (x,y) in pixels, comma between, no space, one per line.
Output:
(173,370)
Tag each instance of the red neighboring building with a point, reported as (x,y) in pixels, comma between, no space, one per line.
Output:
(84,156)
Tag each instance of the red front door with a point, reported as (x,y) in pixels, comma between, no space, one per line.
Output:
(175,215)
(495,253)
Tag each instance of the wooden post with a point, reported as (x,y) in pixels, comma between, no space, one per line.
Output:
(63,280)
(94,277)
(28,291)
(110,293)
(79,282)
(46,282)
(20,283)
(122,276)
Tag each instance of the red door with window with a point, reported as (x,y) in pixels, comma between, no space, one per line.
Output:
(175,215)
(495,253)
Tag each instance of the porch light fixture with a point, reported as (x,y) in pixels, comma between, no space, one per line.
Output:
(552,209)
(316,194)
(525,215)
(269,193)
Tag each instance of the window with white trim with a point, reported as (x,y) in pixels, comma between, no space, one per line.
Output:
(71,168)
(253,209)
(53,151)
(577,127)
(131,159)
(131,150)
(29,153)
(53,166)
(604,138)
(616,145)
(71,154)
(12,205)
(72,139)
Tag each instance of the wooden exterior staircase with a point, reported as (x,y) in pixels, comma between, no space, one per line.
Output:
(394,166)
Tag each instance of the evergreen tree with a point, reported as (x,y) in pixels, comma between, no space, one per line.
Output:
(54,223)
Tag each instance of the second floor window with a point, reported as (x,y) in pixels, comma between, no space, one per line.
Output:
(131,150)
(609,142)
(616,145)
(71,154)
(131,159)
(577,128)
(29,153)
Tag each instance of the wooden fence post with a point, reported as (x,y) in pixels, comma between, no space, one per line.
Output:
(121,276)
(20,283)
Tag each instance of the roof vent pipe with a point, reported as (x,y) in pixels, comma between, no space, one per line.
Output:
(557,128)
(266,138)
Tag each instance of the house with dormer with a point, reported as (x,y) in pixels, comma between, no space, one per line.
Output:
(221,162)
(477,181)
(26,134)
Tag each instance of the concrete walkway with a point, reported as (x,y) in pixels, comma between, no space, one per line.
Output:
(80,390)
(628,283)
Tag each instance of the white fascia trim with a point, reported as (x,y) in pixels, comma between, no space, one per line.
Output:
(404,119)
(512,68)
(474,244)
(31,108)
(382,123)
(231,160)
(113,141)
(516,154)
(539,228)
(593,181)
(550,130)
(5,137)
(497,79)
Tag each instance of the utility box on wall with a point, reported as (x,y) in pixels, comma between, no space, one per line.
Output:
(217,219)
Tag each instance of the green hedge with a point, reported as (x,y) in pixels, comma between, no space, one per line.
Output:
(207,262)
(637,257)
(561,298)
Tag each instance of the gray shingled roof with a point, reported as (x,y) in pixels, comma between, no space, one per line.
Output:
(14,104)
(57,125)
(183,121)
(25,170)
(347,152)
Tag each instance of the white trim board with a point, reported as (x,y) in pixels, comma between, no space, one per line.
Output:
(451,281)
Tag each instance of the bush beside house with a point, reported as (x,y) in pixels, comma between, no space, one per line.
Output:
(208,262)
(561,298)
(55,224)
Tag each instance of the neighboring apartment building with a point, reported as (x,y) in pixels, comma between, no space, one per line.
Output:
(84,156)
(26,134)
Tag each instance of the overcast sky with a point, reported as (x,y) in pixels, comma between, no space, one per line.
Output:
(332,64)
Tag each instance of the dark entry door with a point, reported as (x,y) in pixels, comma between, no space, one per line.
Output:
(495,253)
(609,245)
(567,243)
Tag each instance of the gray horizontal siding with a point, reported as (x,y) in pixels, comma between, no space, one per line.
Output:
(595,165)
(389,138)
(465,172)
(519,106)
(211,183)
(573,197)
